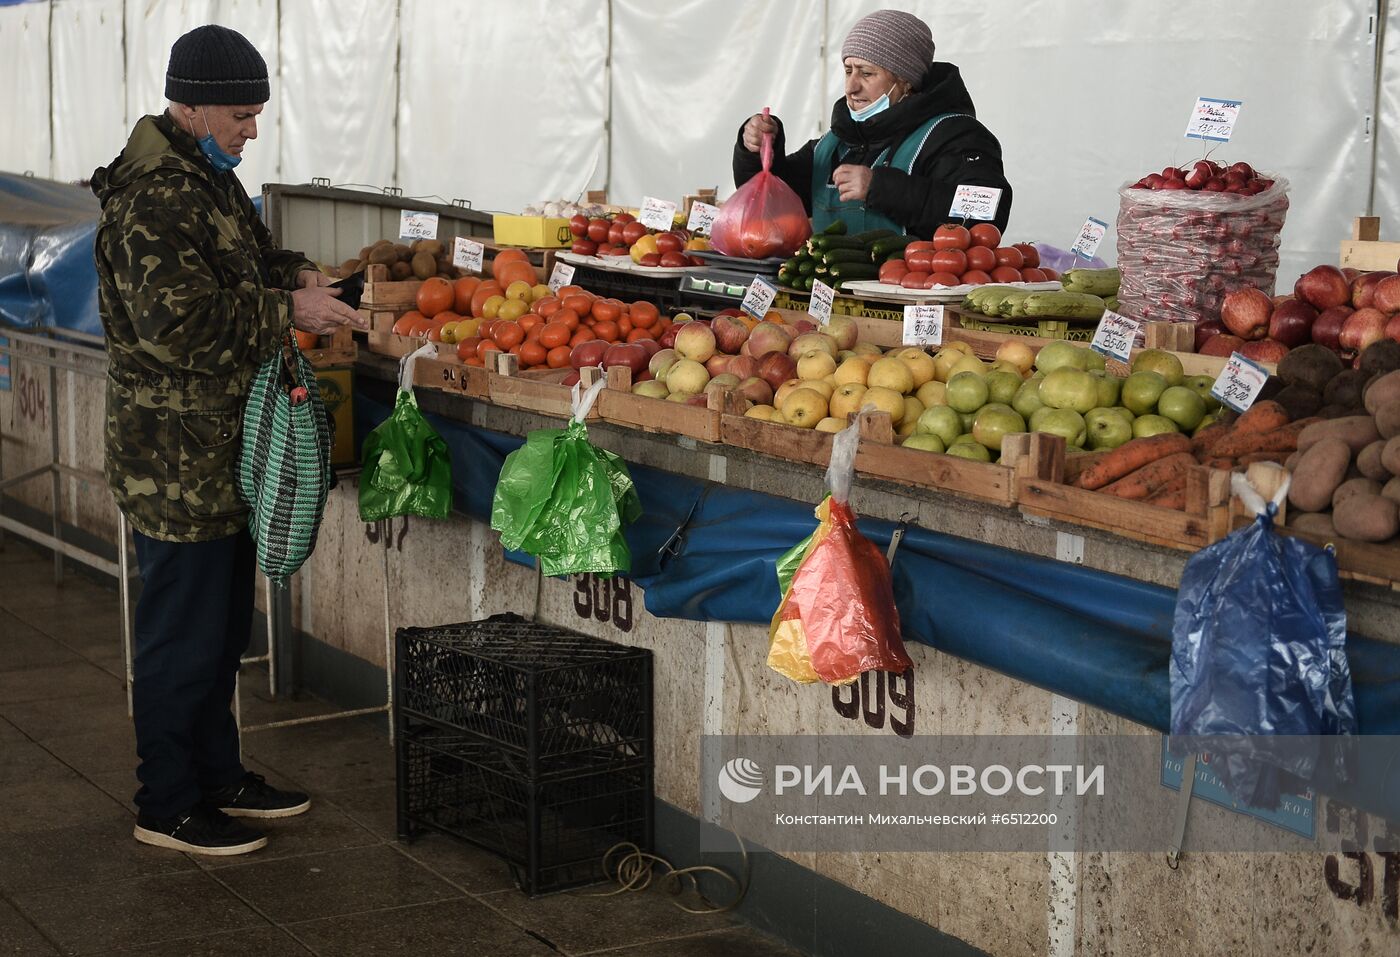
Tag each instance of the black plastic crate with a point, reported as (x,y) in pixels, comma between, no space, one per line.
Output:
(540,693)
(664,291)
(553,833)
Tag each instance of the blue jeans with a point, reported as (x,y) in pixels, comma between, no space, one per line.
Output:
(193,623)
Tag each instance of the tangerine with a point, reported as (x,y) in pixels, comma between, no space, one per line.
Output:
(435,295)
(554,334)
(508,335)
(567,316)
(466,349)
(504,258)
(533,354)
(607,309)
(579,302)
(558,357)
(484,291)
(606,330)
(462,290)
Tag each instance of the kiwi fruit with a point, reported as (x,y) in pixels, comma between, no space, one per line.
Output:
(431,246)
(424,265)
(349,267)
(400,271)
(364,253)
(383,255)
(403,252)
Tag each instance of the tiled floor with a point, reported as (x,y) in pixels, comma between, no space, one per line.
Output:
(333,882)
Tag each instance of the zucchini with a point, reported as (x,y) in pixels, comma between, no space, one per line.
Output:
(855,271)
(837,227)
(823,243)
(881,248)
(845,256)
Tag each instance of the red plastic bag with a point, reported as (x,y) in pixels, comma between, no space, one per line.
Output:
(764,217)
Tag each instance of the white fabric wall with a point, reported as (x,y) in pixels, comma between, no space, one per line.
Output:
(506,102)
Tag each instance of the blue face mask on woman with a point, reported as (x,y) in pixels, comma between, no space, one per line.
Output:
(220,160)
(879,106)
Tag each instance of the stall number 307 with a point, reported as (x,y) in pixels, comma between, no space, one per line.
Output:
(604,599)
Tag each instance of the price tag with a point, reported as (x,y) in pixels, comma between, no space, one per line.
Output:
(923,325)
(1115,336)
(702,217)
(657,214)
(1239,382)
(1090,235)
(759,299)
(822,296)
(1213,119)
(976,202)
(562,275)
(417,225)
(467,254)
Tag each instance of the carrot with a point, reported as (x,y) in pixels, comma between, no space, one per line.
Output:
(1171,495)
(1130,456)
(1219,462)
(1281,439)
(1144,481)
(1263,416)
(1203,443)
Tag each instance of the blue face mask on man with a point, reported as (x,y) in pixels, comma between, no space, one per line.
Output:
(879,106)
(220,160)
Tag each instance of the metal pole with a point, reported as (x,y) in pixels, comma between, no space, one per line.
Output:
(57,484)
(124,587)
(271,641)
(388,639)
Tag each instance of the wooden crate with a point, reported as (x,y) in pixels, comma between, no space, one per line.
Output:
(777,439)
(381,294)
(539,391)
(450,374)
(336,349)
(1365,251)
(617,404)
(984,481)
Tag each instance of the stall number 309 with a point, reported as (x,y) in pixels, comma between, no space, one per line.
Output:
(866,699)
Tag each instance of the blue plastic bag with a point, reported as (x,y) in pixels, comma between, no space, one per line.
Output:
(1259,649)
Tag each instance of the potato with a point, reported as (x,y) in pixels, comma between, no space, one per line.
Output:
(1318,474)
(1291,462)
(1382,391)
(1311,365)
(1314,523)
(1388,419)
(1368,461)
(1356,486)
(1392,490)
(1390,455)
(1367,518)
(1357,431)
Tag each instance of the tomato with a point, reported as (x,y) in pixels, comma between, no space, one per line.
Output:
(952,236)
(893,271)
(669,243)
(980,257)
(1050,274)
(1032,274)
(578,225)
(633,231)
(674,260)
(919,262)
(1006,274)
(624,218)
(985,234)
(950,260)
(584,247)
(919,246)
(943,279)
(913,280)
(1029,253)
(975,277)
(615,233)
(1009,256)
(650,259)
(598,230)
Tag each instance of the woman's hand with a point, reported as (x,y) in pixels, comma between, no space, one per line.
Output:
(852,181)
(754,129)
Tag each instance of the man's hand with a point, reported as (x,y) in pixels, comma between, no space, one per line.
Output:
(754,129)
(852,181)
(316,309)
(311,278)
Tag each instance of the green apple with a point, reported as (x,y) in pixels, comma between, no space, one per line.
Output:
(994,422)
(966,392)
(1201,385)
(1208,421)
(941,421)
(967,419)
(1095,362)
(1145,425)
(1106,429)
(1027,398)
(1127,414)
(1183,406)
(1058,354)
(1161,362)
(1141,390)
(1065,423)
(970,450)
(923,440)
(1109,388)
(1067,388)
(961,439)
(1002,386)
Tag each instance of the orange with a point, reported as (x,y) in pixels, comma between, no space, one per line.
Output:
(558,357)
(484,291)
(504,258)
(607,309)
(508,335)
(434,296)
(306,340)
(567,316)
(513,272)
(533,354)
(531,323)
(579,302)
(606,330)
(554,334)
(462,290)
(643,314)
(466,349)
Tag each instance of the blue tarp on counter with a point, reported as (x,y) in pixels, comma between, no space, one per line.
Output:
(47,276)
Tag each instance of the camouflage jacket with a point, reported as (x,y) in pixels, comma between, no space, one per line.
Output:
(192,297)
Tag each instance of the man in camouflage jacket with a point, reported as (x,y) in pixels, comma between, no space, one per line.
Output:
(193,297)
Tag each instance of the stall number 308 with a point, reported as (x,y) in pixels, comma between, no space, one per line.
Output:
(604,599)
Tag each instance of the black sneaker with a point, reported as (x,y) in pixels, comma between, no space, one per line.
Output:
(254,797)
(200,830)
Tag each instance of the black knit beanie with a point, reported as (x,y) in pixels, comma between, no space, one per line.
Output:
(216,65)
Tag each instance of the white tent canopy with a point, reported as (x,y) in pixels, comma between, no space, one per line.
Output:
(507,102)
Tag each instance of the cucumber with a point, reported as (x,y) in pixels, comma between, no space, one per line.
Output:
(836,228)
(847,271)
(870,235)
(821,244)
(790,265)
(806,267)
(845,256)
(881,248)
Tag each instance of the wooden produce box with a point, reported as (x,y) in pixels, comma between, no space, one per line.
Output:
(776,439)
(383,294)
(449,374)
(617,404)
(337,349)
(538,391)
(1365,251)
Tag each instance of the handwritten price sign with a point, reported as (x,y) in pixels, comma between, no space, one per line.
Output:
(702,217)
(976,202)
(822,297)
(657,213)
(1239,383)
(562,275)
(1115,336)
(1090,235)
(923,325)
(759,299)
(467,254)
(417,225)
(1213,119)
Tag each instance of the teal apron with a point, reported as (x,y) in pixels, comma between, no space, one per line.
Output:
(827,206)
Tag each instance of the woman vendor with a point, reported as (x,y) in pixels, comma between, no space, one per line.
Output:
(902,139)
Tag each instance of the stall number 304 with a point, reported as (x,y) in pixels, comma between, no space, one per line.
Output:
(604,599)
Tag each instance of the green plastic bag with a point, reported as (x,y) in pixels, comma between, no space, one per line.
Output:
(407,468)
(566,502)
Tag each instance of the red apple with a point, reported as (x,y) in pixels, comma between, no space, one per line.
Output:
(668,338)
(730,334)
(804,325)
(717,364)
(1222,345)
(1245,313)
(1291,323)
(1351,274)
(1392,328)
(1361,328)
(1363,288)
(1206,329)
(627,354)
(1264,350)
(756,390)
(1323,287)
(769,337)
(1327,327)
(775,368)
(1386,295)
(742,367)
(588,353)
